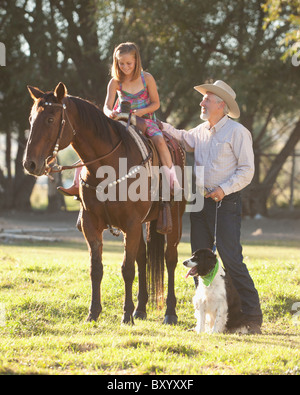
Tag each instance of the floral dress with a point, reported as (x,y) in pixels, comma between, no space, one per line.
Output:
(138,101)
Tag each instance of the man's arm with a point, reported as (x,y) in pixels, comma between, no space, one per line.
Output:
(186,138)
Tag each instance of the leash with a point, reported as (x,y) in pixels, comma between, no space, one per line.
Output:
(218,205)
(209,278)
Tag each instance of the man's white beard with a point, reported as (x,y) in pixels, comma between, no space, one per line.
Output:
(205,116)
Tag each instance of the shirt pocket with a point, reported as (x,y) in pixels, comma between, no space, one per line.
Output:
(221,151)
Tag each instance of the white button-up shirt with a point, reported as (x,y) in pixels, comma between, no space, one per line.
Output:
(224,150)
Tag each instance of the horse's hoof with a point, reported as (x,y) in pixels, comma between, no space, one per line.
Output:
(140,315)
(170,320)
(127,319)
(91,318)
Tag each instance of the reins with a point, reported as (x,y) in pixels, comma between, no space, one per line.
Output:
(79,163)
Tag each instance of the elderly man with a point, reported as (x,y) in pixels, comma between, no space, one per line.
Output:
(224,148)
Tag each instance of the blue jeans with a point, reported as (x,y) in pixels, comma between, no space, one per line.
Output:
(228,246)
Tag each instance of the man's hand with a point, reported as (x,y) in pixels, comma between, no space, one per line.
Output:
(216,194)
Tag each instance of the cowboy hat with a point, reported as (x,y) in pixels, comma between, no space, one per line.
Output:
(222,90)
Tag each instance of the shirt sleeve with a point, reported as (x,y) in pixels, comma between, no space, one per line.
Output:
(186,138)
(243,151)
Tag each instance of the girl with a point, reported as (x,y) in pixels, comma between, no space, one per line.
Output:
(132,84)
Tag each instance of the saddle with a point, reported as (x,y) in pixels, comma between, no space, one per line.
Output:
(176,150)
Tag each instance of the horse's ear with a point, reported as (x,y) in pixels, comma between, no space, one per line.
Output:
(60,91)
(35,93)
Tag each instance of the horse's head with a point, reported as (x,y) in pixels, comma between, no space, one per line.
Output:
(49,130)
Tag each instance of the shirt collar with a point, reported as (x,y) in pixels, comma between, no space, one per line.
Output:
(218,125)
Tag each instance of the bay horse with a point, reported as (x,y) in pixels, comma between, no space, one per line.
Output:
(58,120)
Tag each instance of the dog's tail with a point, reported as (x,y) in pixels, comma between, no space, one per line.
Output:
(155,263)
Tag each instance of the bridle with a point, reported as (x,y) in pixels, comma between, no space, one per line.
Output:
(50,162)
(51,165)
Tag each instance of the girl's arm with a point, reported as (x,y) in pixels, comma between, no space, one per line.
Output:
(154,97)
(110,99)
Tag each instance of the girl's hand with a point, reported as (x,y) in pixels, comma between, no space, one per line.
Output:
(138,113)
(113,114)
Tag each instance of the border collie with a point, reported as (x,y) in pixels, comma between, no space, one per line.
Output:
(217,303)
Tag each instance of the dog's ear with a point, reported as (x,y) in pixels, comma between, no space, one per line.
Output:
(209,252)
(198,255)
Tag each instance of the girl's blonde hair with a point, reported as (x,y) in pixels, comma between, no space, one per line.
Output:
(126,48)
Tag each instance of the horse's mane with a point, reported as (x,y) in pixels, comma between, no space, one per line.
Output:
(93,118)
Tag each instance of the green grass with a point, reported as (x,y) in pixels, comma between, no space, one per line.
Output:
(46,293)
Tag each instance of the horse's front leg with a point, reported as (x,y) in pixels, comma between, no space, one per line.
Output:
(93,237)
(132,241)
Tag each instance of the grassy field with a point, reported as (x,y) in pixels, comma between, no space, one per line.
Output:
(44,299)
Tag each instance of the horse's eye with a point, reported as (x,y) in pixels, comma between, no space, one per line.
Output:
(50,120)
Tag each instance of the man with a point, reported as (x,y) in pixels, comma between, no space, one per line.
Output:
(224,148)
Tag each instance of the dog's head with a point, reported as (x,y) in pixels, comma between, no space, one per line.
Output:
(201,263)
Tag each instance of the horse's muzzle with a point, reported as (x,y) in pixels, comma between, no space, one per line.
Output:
(34,168)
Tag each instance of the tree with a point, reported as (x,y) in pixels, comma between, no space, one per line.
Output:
(282,11)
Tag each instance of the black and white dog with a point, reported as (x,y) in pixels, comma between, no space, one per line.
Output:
(217,303)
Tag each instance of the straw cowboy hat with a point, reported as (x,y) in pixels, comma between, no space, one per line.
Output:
(222,90)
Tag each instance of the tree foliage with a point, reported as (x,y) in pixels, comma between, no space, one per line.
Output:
(282,12)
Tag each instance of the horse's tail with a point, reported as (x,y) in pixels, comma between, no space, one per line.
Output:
(155,263)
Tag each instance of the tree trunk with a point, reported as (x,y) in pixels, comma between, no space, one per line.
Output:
(56,201)
(259,192)
(15,191)
(21,198)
